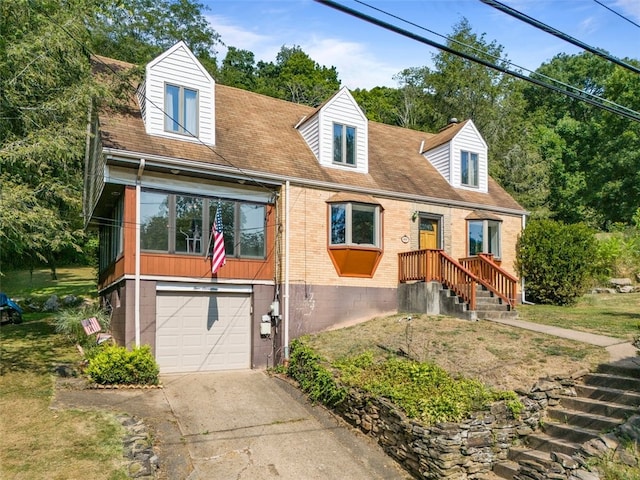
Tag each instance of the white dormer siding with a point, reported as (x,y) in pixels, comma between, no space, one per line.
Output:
(341,109)
(177,67)
(440,157)
(447,158)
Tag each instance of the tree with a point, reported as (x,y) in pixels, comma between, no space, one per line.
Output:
(136,31)
(295,77)
(238,69)
(44,103)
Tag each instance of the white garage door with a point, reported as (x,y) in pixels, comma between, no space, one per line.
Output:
(203,332)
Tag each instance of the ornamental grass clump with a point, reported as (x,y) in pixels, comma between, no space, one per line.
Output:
(69,323)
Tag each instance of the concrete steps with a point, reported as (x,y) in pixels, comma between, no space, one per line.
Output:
(604,400)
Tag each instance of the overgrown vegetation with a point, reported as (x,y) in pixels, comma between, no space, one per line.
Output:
(69,323)
(114,365)
(556,260)
(422,390)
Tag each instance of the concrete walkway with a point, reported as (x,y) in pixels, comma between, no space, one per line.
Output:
(619,350)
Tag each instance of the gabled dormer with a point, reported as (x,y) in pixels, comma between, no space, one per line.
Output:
(177,97)
(459,153)
(337,133)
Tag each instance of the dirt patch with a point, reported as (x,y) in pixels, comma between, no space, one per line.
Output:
(500,356)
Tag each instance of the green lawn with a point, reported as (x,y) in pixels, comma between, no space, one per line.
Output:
(615,315)
(78,281)
(36,441)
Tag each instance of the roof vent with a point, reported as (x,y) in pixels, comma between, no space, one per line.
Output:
(453,120)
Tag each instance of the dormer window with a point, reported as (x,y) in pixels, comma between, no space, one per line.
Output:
(181,108)
(344,144)
(469,169)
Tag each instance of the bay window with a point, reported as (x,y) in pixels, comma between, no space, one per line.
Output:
(484,237)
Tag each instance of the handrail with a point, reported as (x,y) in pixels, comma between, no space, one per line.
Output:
(494,278)
(435,265)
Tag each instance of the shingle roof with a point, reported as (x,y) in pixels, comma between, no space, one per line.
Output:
(256,133)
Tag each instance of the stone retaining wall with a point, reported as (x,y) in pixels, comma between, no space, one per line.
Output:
(464,450)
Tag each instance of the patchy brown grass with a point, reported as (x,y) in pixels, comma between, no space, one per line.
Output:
(500,356)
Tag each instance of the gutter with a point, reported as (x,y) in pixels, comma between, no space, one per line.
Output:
(277,180)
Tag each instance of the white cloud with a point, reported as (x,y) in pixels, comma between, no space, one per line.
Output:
(356,66)
(630,8)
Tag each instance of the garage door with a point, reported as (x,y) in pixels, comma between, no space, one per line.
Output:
(203,332)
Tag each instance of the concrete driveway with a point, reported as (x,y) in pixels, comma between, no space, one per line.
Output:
(248,425)
(241,425)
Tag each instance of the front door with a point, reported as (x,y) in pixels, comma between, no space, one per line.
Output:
(428,233)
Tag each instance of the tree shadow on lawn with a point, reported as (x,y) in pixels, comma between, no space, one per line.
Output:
(32,346)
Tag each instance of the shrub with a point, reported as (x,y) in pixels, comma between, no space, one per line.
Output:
(314,378)
(68,322)
(556,260)
(114,365)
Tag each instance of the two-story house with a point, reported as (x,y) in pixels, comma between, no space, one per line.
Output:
(317,206)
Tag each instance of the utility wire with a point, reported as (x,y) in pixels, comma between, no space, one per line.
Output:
(616,13)
(570,91)
(557,33)
(85,48)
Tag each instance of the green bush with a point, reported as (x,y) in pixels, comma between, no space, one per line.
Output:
(68,322)
(556,260)
(314,378)
(422,390)
(114,365)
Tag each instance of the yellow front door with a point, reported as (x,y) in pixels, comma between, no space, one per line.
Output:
(428,233)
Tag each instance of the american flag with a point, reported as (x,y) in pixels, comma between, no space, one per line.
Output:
(218,257)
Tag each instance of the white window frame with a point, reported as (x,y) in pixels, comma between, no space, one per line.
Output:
(349,224)
(181,120)
(343,147)
(473,174)
(487,244)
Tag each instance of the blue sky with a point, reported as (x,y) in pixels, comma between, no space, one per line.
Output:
(366,55)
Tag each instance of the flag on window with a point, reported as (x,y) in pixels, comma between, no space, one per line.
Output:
(218,257)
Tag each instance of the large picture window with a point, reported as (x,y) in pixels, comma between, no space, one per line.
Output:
(181,109)
(355,224)
(484,237)
(181,224)
(344,144)
(469,169)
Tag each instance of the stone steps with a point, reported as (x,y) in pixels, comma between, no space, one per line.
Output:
(604,400)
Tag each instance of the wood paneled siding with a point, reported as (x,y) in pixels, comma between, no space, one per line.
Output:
(179,67)
(343,109)
(188,266)
(469,140)
(440,157)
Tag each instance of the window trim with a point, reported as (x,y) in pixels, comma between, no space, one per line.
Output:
(486,240)
(181,120)
(473,158)
(343,147)
(377,227)
(208,215)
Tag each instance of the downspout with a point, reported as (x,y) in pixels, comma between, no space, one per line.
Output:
(137,273)
(286,271)
(523,293)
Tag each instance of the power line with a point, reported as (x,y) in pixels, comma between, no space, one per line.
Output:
(557,33)
(617,13)
(570,91)
(135,90)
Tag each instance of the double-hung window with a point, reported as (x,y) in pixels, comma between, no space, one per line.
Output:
(484,237)
(355,224)
(469,169)
(181,110)
(344,144)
